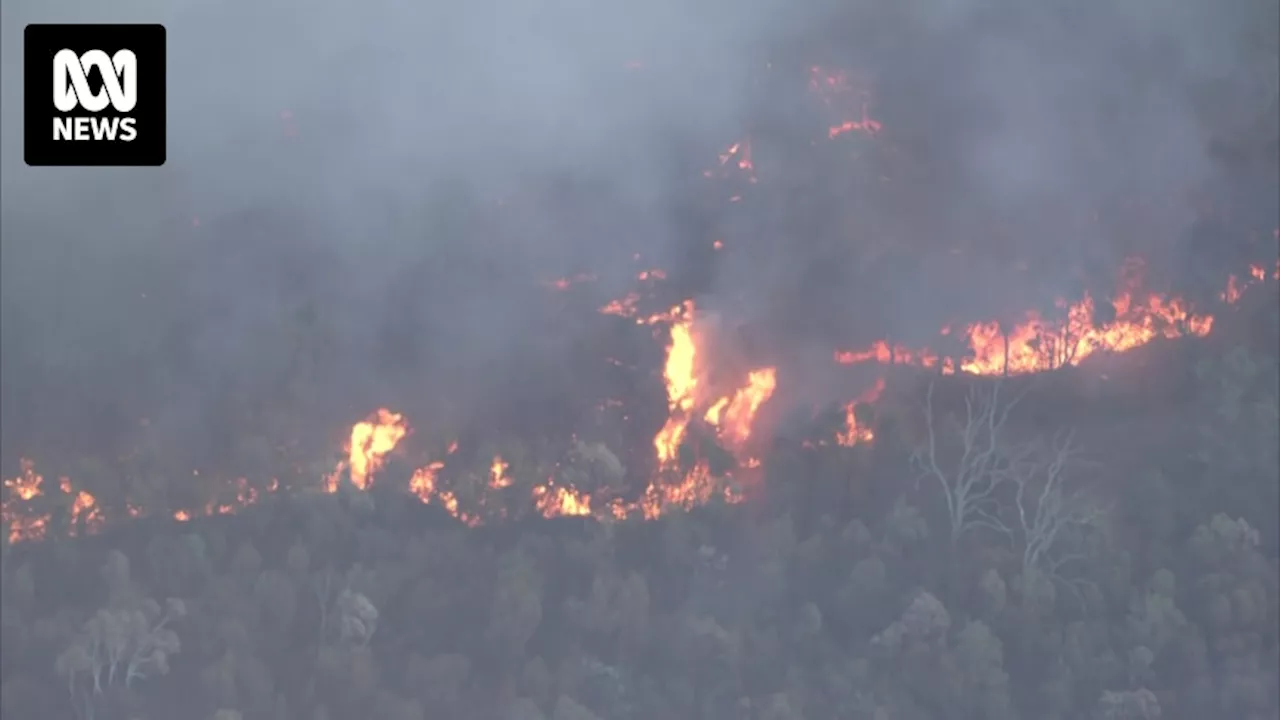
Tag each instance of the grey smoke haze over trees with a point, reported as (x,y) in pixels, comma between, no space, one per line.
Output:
(363,206)
(400,178)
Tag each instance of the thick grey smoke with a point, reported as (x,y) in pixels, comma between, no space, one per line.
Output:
(362,199)
(390,181)
(1029,149)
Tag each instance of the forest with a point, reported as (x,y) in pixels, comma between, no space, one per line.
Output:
(885,428)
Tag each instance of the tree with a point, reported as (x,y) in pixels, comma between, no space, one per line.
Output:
(1048,507)
(117,648)
(966,457)
(569,709)
(357,619)
(616,615)
(1238,436)
(1138,704)
(516,610)
(1027,491)
(979,660)
(523,709)
(923,624)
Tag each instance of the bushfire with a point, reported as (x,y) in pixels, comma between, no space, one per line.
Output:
(700,401)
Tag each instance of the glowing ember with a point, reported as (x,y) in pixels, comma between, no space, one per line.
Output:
(498,478)
(27,485)
(23,521)
(568,282)
(736,159)
(837,90)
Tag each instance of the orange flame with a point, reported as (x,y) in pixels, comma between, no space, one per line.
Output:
(854,433)
(739,411)
(1038,344)
(24,523)
(498,478)
(371,441)
(552,500)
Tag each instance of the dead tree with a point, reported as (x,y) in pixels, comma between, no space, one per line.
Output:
(1027,491)
(966,456)
(1049,506)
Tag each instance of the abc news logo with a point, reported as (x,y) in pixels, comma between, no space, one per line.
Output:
(107,105)
(71,90)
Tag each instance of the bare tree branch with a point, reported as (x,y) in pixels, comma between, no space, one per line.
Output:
(967,458)
(1048,506)
(1026,491)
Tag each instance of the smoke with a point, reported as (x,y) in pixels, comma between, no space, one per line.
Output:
(368,197)
(1028,150)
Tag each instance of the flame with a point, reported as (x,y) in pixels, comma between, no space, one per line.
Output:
(423,484)
(627,306)
(1236,286)
(1038,344)
(839,91)
(24,490)
(498,478)
(552,500)
(855,433)
(28,512)
(27,485)
(371,441)
(696,398)
(681,379)
(740,410)
(731,415)
(1035,344)
(568,282)
(243,495)
(85,512)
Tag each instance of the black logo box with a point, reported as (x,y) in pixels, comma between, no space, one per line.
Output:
(41,43)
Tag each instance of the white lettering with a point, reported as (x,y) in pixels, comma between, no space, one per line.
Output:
(128,133)
(95,128)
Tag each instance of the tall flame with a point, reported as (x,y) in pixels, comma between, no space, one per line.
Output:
(371,440)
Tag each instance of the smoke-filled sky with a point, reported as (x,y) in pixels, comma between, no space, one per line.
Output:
(386,184)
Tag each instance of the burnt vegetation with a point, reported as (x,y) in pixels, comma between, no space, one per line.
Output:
(1052,516)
